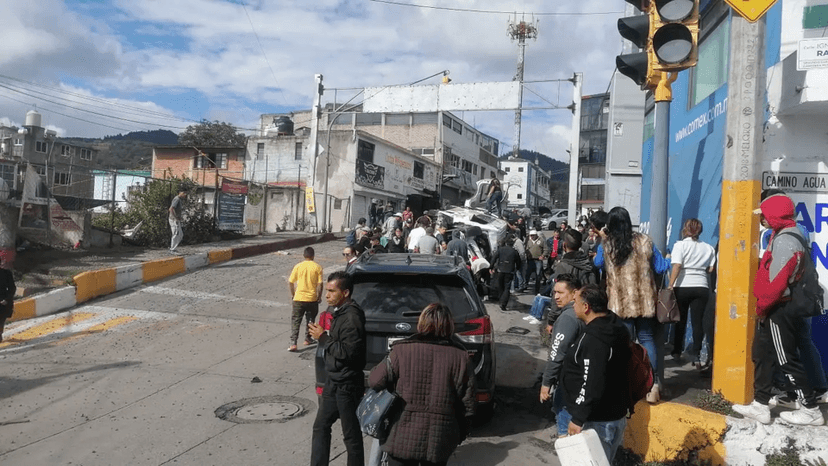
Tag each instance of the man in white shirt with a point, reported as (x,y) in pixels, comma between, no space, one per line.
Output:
(414,237)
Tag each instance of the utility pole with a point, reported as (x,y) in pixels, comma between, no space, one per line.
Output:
(520,31)
(316,112)
(661,166)
(738,226)
(574,147)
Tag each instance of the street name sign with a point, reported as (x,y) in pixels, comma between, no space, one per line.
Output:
(751,10)
(812,54)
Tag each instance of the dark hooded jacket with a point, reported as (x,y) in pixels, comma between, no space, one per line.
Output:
(781,264)
(594,372)
(579,265)
(344,345)
(435,380)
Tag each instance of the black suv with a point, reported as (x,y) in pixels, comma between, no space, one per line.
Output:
(393,289)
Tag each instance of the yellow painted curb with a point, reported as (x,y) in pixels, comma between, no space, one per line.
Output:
(669,431)
(25,309)
(163,268)
(220,255)
(94,283)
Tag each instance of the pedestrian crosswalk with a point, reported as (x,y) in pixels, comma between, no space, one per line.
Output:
(67,326)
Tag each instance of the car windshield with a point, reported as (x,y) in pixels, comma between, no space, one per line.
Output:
(402,295)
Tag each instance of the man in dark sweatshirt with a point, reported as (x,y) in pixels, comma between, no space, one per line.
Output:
(505,261)
(594,369)
(566,331)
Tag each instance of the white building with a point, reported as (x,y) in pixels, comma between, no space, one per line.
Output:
(527,185)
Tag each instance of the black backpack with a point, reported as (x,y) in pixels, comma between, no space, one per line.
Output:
(806,292)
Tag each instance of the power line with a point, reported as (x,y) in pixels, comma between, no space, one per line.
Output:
(499,12)
(263,53)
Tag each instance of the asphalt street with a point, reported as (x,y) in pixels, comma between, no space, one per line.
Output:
(194,370)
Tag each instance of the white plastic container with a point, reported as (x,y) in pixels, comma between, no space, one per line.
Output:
(583,449)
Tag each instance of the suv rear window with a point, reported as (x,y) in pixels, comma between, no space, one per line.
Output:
(402,295)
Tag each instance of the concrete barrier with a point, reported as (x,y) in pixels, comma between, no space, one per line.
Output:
(670,431)
(128,276)
(162,268)
(95,283)
(45,304)
(196,261)
(220,255)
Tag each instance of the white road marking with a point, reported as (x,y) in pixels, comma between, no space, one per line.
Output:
(209,296)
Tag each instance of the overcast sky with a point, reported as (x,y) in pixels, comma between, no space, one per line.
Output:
(94,68)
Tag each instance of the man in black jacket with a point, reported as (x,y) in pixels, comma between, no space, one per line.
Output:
(505,261)
(594,369)
(344,347)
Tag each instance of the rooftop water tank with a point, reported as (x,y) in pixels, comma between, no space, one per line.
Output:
(32,118)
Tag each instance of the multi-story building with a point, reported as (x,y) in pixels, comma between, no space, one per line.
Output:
(592,153)
(364,170)
(65,165)
(527,185)
(464,154)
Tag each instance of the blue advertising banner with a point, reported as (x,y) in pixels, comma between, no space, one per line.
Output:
(231,211)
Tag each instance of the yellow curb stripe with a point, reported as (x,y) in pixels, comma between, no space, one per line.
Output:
(159,269)
(220,255)
(46,328)
(102,327)
(95,283)
(25,309)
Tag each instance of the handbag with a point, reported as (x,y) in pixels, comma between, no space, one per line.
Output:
(377,408)
(667,310)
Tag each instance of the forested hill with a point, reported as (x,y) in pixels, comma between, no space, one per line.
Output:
(559,170)
(158,136)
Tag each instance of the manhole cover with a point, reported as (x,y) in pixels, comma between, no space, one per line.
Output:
(264,409)
(517,330)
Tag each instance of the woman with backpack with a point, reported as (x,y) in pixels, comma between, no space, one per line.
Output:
(630,261)
(692,261)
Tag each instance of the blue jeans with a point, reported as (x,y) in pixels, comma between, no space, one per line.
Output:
(645,329)
(518,283)
(537,306)
(611,434)
(534,267)
(494,199)
(562,416)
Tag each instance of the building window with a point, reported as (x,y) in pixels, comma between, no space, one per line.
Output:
(297,151)
(337,204)
(67,151)
(649,125)
(520,196)
(40,146)
(365,151)
(397,119)
(711,71)
(446,120)
(85,154)
(425,119)
(419,170)
(520,169)
(211,161)
(259,150)
(62,179)
(457,126)
(507,169)
(368,119)
(7,173)
(467,166)
(426,152)
(40,169)
(18,141)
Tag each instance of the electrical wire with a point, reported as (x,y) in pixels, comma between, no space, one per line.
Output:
(499,12)
(272,73)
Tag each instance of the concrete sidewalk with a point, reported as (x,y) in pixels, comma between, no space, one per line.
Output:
(100,272)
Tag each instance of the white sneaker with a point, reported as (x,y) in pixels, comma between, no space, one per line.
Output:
(533,321)
(783,401)
(822,398)
(754,410)
(527,317)
(803,417)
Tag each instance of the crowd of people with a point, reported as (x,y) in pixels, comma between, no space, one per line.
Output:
(596,290)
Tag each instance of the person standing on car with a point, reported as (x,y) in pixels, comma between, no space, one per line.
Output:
(536,252)
(495,196)
(432,375)
(306,289)
(344,357)
(504,262)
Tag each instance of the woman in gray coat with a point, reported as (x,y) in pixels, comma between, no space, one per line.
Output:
(433,377)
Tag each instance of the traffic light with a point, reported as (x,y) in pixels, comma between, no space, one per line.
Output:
(674,34)
(637,66)
(667,33)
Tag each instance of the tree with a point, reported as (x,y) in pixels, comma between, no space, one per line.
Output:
(211,133)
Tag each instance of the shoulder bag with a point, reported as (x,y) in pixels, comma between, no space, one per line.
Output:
(667,310)
(376,409)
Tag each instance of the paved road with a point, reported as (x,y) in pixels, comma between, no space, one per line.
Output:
(136,378)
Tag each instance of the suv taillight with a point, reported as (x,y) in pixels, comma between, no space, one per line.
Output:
(482,334)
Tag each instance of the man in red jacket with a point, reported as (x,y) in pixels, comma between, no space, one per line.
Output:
(779,318)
